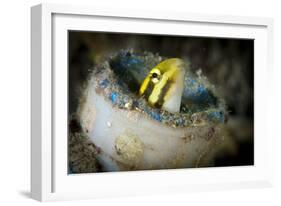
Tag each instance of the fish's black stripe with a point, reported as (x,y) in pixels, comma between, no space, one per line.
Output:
(148,90)
(162,94)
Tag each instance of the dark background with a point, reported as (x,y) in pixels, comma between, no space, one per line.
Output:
(227,63)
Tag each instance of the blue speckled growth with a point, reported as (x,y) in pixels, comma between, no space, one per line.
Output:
(217,116)
(155,116)
(129,67)
(113,97)
(197,93)
(104,83)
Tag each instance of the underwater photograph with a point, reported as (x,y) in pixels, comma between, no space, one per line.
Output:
(149,102)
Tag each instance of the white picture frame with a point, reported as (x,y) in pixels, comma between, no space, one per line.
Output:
(49,178)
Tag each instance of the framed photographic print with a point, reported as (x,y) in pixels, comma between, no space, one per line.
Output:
(135,102)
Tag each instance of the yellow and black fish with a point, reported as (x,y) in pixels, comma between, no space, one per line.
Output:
(163,86)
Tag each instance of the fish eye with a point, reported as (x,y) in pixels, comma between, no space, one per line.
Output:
(154,75)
